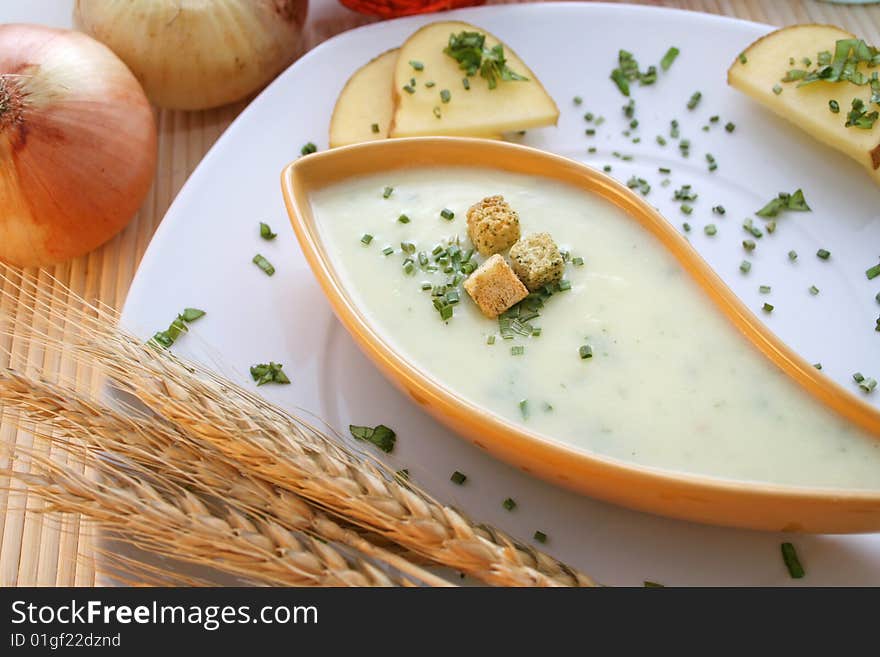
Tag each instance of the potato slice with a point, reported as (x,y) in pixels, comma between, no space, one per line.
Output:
(767,62)
(479,111)
(365,100)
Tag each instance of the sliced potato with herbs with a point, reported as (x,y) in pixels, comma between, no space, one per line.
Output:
(365,105)
(812,75)
(452,78)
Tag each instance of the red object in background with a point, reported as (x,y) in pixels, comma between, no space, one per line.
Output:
(396,8)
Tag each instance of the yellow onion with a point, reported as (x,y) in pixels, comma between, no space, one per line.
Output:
(77,144)
(195,54)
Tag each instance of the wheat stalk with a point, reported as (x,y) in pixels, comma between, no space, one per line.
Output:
(169,520)
(156,446)
(291,454)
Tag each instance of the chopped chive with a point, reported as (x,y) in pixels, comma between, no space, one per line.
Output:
(818,366)
(858,377)
(771,226)
(409,89)
(669,57)
(868,384)
(540,536)
(585,351)
(466,84)
(564,285)
(426,285)
(366,238)
(408,266)
(719,209)
(524,409)
(263,264)
(749,245)
(536,332)
(490,339)
(694,100)
(192,314)
(873,272)
(588,116)
(429,84)
(606,168)
(509,504)
(686,226)
(710,229)
(764,289)
(777,89)
(437,112)
(374,127)
(823,254)
(713,165)
(408,247)
(665,170)
(730,126)
(590,132)
(660,140)
(447,214)
(266,232)
(792,563)
(792,255)
(742,58)
(388,250)
(308,149)
(745,266)
(387,192)
(578,100)
(268,373)
(445,95)
(591,149)
(714,118)
(834,106)
(686,209)
(767,308)
(403,219)
(417,66)
(653,585)
(577,262)
(517,350)
(878,297)
(814,290)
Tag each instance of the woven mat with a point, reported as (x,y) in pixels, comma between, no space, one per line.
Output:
(43,550)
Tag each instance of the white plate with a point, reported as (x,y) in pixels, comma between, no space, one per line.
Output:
(201,256)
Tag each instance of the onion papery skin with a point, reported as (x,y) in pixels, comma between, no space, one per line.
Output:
(198,54)
(77,145)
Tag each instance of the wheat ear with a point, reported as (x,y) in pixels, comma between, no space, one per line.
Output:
(170,521)
(156,446)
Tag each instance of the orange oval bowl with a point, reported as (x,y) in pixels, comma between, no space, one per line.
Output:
(680,495)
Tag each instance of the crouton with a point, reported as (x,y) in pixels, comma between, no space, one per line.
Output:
(494,287)
(492,225)
(536,260)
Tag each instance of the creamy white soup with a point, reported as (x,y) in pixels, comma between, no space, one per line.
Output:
(670,382)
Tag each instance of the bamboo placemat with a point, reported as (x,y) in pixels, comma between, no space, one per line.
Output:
(42,550)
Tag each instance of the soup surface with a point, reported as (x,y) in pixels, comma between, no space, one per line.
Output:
(670,383)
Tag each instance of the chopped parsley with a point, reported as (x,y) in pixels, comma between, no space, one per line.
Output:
(268,373)
(177,327)
(266,232)
(381,436)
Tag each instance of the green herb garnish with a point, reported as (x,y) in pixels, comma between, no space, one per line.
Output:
(458,478)
(445,95)
(669,57)
(381,436)
(308,149)
(585,351)
(784,201)
(417,66)
(403,219)
(540,536)
(790,557)
(469,50)
(263,264)
(792,255)
(872,272)
(509,504)
(694,100)
(764,289)
(834,106)
(730,126)
(823,254)
(447,214)
(719,209)
(266,232)
(767,308)
(177,327)
(268,373)
(387,192)
(374,127)
(710,229)
(749,245)
(366,238)
(745,266)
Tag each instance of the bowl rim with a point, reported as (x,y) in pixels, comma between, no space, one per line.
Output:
(537,453)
